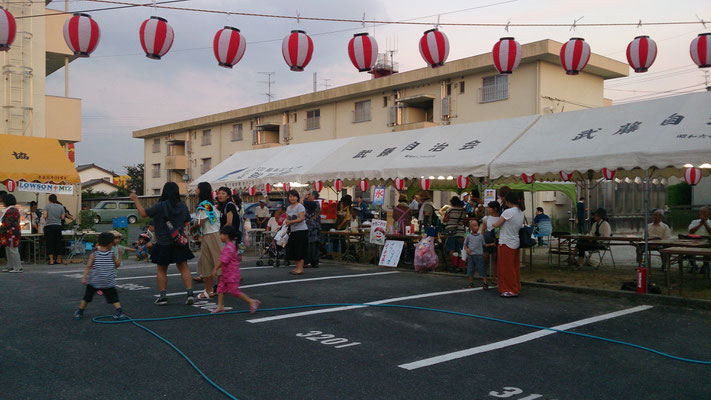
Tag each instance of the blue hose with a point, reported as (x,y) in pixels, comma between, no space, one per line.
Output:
(108,319)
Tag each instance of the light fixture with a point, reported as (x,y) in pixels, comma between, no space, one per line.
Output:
(449,178)
(431,177)
(688,166)
(441,178)
(705,165)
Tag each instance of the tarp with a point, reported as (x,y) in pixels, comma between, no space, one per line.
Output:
(662,134)
(35,159)
(568,189)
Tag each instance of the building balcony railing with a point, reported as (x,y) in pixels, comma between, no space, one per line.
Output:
(63,118)
(176,162)
(413,125)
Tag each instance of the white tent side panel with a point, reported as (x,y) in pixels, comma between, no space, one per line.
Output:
(662,133)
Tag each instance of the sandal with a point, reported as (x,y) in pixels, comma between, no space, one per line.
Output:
(296,273)
(204,295)
(254,306)
(217,311)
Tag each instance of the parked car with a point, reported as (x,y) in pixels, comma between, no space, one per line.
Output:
(250,209)
(109,209)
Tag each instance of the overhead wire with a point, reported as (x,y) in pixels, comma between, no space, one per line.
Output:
(127,5)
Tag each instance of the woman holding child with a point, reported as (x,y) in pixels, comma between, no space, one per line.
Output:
(208,224)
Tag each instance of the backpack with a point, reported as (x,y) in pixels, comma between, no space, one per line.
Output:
(242,231)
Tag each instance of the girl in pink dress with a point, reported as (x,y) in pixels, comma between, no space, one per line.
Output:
(229,263)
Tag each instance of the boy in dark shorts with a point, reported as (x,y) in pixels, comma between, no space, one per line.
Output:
(100,274)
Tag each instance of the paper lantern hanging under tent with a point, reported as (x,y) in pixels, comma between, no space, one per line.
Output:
(565,176)
(156,37)
(252,190)
(229,46)
(574,55)
(425,183)
(286,186)
(338,185)
(462,182)
(297,49)
(363,51)
(267,188)
(507,55)
(363,185)
(10,185)
(692,176)
(434,47)
(701,50)
(609,174)
(399,184)
(318,185)
(641,53)
(8,29)
(82,34)
(528,178)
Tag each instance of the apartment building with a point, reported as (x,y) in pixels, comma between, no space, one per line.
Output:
(38,51)
(461,91)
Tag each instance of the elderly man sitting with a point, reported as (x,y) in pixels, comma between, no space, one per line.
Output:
(656,230)
(701,226)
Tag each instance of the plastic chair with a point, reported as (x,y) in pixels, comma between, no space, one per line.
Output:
(544,229)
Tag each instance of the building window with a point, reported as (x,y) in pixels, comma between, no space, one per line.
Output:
(156,192)
(461,87)
(206,165)
(313,119)
(448,89)
(237,134)
(206,138)
(155,171)
(385,101)
(362,111)
(156,145)
(494,88)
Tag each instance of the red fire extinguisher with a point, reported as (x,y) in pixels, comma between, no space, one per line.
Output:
(641,280)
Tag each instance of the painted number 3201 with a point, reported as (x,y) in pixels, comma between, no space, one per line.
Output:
(327,339)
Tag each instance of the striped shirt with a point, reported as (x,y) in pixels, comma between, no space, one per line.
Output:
(102,274)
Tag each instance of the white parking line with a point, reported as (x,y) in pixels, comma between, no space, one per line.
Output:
(517,340)
(345,308)
(153,276)
(301,281)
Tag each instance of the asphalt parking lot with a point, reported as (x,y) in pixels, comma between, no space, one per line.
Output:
(341,351)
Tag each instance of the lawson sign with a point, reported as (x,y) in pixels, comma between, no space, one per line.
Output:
(45,188)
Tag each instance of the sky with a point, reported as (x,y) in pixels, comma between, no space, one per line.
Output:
(122,90)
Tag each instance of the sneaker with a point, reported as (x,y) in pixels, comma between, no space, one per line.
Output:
(16,270)
(485,285)
(6,269)
(161,301)
(508,294)
(77,315)
(120,316)
(190,300)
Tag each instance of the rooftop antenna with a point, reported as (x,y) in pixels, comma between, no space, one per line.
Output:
(708,82)
(325,83)
(269,83)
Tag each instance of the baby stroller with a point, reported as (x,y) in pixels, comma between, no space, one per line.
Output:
(274,251)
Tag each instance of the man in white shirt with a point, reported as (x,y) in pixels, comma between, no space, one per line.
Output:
(658,229)
(262,214)
(701,226)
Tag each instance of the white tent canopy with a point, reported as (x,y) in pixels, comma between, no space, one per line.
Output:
(669,132)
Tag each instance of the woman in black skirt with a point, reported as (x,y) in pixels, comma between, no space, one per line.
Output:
(166,251)
(298,242)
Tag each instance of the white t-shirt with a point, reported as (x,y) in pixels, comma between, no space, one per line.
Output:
(262,212)
(490,219)
(206,227)
(702,231)
(509,230)
(292,213)
(273,225)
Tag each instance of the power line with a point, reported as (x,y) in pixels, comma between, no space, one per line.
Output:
(364,21)
(127,5)
(671,91)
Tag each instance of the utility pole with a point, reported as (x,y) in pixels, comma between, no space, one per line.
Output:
(708,83)
(269,83)
(315,83)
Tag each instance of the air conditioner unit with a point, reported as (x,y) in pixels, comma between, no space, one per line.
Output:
(548,196)
(446,107)
(285,132)
(255,137)
(392,116)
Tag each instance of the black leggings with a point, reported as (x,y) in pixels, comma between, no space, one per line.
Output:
(53,238)
(587,245)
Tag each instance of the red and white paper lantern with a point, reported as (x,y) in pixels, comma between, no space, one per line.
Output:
(252,190)
(574,55)
(566,176)
(434,47)
(318,185)
(10,185)
(214,195)
(297,49)
(286,186)
(399,183)
(229,46)
(609,174)
(156,37)
(363,185)
(692,176)
(425,183)
(8,29)
(701,50)
(507,55)
(363,51)
(462,181)
(338,185)
(528,178)
(267,188)
(81,34)
(641,53)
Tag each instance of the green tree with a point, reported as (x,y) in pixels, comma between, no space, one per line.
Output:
(136,174)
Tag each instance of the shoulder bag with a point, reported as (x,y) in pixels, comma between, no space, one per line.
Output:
(176,234)
(525,235)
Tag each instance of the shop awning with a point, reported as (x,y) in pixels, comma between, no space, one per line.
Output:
(663,134)
(35,159)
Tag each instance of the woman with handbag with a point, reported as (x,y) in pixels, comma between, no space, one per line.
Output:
(170,216)
(454,229)
(207,224)
(509,262)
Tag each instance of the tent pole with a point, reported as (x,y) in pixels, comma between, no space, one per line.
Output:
(646,220)
(533,216)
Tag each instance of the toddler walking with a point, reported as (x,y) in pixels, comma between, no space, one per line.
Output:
(229,264)
(100,275)
(474,247)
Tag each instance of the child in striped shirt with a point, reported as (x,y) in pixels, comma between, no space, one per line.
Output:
(100,274)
